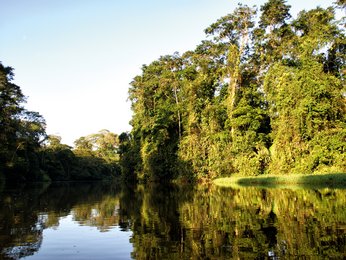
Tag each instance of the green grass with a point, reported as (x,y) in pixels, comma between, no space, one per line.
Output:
(332,180)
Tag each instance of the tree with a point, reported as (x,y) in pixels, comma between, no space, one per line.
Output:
(21,132)
(28,154)
(103,144)
(250,99)
(306,101)
(157,117)
(129,157)
(11,98)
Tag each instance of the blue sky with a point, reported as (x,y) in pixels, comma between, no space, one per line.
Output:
(74,59)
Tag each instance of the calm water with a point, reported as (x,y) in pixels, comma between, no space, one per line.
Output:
(99,221)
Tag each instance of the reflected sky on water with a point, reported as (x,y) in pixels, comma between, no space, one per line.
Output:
(103,221)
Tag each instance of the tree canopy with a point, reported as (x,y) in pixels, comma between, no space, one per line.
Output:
(263,93)
(27,153)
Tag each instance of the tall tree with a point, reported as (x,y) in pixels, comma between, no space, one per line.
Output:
(21,131)
(306,102)
(11,98)
(249,100)
(103,144)
(157,117)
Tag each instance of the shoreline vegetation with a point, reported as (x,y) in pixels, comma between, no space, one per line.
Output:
(325,180)
(263,93)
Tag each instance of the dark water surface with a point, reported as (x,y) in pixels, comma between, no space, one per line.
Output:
(102,221)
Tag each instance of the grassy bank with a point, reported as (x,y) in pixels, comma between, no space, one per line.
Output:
(334,180)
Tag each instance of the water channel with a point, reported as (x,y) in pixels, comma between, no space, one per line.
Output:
(103,221)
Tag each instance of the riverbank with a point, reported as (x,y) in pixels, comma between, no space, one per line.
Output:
(333,180)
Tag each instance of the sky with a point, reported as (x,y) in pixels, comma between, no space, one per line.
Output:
(74,59)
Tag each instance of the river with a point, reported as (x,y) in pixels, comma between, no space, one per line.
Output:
(103,221)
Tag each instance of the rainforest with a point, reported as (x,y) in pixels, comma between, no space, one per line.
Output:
(263,93)
(237,151)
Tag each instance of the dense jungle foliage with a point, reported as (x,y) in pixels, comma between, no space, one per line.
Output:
(27,153)
(263,93)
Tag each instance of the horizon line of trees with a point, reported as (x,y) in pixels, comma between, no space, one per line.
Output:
(263,93)
(27,153)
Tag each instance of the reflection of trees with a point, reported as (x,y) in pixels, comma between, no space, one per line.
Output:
(20,228)
(170,222)
(154,218)
(25,248)
(25,212)
(103,214)
(251,222)
(210,223)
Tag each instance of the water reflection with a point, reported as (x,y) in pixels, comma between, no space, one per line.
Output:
(169,222)
(26,211)
(253,222)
